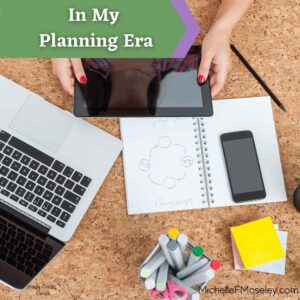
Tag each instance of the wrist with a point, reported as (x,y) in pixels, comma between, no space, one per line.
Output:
(222,27)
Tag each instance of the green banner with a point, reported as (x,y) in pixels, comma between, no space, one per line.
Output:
(90,28)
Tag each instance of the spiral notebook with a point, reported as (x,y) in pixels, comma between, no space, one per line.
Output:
(177,163)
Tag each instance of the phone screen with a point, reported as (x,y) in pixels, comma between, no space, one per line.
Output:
(243,166)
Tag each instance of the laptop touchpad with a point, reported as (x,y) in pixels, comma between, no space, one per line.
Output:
(42,123)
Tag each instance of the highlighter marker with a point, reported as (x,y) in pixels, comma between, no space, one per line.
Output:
(216,265)
(193,295)
(199,277)
(150,282)
(182,241)
(173,233)
(203,275)
(162,277)
(163,241)
(155,262)
(176,255)
(195,255)
(187,271)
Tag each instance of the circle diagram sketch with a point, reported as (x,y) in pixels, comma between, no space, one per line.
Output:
(167,163)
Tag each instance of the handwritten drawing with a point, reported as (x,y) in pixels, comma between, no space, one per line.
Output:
(167,163)
(158,122)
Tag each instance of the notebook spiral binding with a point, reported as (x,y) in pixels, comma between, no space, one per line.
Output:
(203,161)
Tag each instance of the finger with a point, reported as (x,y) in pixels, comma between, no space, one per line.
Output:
(206,59)
(217,87)
(67,83)
(78,70)
(220,79)
(212,80)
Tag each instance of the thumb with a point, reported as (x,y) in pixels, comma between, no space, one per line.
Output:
(78,70)
(206,59)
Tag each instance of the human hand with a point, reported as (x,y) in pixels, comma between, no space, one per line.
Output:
(65,69)
(215,59)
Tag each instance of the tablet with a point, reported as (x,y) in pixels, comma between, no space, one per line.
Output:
(143,88)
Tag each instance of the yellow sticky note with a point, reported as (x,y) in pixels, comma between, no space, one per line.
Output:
(257,242)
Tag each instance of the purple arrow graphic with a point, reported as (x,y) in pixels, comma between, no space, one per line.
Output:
(192,29)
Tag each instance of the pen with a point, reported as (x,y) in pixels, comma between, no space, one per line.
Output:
(187,271)
(155,262)
(150,282)
(182,241)
(163,241)
(257,77)
(203,275)
(162,277)
(176,254)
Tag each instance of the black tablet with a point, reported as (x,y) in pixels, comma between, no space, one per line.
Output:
(143,88)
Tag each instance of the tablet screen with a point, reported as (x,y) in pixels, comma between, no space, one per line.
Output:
(143,87)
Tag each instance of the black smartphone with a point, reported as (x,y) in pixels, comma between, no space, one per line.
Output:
(244,173)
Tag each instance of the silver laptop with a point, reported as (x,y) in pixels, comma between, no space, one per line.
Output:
(51,167)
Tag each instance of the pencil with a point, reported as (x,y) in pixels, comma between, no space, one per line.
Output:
(257,77)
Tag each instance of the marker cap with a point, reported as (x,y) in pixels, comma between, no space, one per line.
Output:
(172,245)
(198,251)
(215,264)
(145,272)
(173,233)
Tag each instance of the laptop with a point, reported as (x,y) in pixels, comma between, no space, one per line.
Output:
(51,167)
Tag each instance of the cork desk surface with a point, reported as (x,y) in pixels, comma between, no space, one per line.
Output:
(102,258)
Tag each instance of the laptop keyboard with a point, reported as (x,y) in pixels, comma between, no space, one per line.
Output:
(22,250)
(38,182)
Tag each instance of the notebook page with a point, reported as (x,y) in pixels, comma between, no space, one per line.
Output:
(254,114)
(161,165)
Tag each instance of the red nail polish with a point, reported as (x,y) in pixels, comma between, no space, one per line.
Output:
(201,79)
(83,79)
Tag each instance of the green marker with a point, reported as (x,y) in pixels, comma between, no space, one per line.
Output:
(195,256)
(162,277)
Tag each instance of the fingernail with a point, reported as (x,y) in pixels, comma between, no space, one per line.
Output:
(201,79)
(83,79)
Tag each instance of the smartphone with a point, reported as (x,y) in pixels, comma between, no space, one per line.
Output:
(243,169)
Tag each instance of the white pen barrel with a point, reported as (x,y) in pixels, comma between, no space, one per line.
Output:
(150,282)
(182,241)
(163,241)
(192,268)
(199,277)
(152,265)
(192,259)
(162,277)
(176,255)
